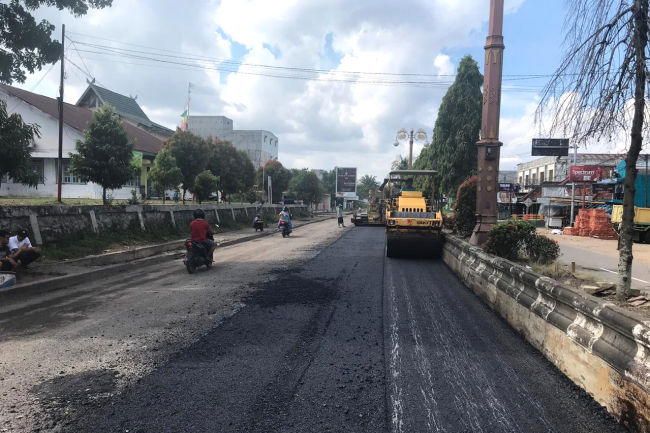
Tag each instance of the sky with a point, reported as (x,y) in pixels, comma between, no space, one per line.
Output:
(287,66)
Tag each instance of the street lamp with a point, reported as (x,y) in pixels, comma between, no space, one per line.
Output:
(420,136)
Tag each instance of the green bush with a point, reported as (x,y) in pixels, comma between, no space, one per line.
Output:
(465,208)
(509,238)
(541,249)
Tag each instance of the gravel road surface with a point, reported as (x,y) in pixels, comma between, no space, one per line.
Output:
(316,333)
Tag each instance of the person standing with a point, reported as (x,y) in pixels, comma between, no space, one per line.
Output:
(339,215)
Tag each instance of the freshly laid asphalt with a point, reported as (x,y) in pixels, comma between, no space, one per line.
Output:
(348,341)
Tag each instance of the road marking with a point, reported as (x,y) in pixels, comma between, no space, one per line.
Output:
(612,272)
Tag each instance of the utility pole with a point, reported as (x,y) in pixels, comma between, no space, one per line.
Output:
(573,184)
(489,146)
(60,159)
(646,180)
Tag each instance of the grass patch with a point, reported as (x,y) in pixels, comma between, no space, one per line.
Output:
(88,244)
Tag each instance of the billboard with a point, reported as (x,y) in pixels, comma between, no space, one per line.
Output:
(550,147)
(346,182)
(585,173)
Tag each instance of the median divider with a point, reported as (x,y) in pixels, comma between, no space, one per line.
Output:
(600,347)
(106,265)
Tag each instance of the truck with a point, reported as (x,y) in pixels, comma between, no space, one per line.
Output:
(413,226)
(641,222)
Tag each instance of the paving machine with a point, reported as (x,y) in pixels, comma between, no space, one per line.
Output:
(413,226)
(375,215)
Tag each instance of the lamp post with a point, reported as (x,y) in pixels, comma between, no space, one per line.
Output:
(420,136)
(488,147)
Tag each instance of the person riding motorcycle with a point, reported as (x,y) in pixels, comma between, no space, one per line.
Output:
(201,231)
(285,216)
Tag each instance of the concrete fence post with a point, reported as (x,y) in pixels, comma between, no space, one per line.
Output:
(171,216)
(93,221)
(232,209)
(33,221)
(141,219)
(216,213)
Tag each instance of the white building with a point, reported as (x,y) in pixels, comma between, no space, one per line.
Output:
(43,111)
(260,145)
(556,168)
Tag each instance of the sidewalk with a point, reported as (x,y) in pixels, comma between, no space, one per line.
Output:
(46,276)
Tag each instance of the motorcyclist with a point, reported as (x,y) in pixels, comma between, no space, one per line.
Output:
(201,231)
(258,222)
(285,216)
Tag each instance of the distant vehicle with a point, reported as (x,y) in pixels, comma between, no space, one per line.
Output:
(641,227)
(288,200)
(375,215)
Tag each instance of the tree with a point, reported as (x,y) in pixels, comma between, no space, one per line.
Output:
(306,186)
(104,155)
(329,185)
(16,137)
(280,178)
(191,153)
(452,151)
(165,174)
(365,184)
(28,45)
(205,183)
(234,168)
(400,163)
(599,90)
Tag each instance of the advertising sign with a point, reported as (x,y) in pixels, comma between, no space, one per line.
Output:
(585,173)
(602,187)
(550,147)
(346,182)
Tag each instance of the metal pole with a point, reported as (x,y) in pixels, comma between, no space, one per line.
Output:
(646,180)
(573,184)
(60,158)
(411,150)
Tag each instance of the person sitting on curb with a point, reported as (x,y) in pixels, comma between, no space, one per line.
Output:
(13,258)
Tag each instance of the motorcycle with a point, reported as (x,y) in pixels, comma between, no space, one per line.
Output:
(197,254)
(284,228)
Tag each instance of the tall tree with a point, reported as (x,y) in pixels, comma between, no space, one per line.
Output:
(191,153)
(165,174)
(27,44)
(16,137)
(599,90)
(280,178)
(306,186)
(452,151)
(105,154)
(365,184)
(234,168)
(400,163)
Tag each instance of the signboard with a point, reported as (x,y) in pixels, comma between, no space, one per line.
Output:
(585,173)
(505,187)
(602,187)
(550,147)
(346,182)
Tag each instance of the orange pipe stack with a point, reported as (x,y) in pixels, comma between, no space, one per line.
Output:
(592,223)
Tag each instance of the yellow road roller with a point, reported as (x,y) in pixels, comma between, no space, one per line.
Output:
(413,226)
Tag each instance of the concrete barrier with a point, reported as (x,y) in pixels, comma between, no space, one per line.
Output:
(53,223)
(602,348)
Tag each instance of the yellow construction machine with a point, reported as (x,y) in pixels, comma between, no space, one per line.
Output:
(413,226)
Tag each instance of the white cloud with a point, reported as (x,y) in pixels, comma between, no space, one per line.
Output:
(320,124)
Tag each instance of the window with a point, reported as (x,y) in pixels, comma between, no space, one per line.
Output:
(526,179)
(67,176)
(550,175)
(541,177)
(39,165)
(135,182)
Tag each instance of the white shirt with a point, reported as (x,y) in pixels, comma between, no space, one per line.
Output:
(14,243)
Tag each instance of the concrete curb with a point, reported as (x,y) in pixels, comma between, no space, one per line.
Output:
(121,261)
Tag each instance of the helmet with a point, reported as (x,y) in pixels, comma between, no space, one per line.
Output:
(286,209)
(199,213)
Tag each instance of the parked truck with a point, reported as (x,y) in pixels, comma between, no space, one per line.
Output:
(641,222)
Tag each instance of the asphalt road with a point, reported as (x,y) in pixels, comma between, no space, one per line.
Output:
(319,333)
